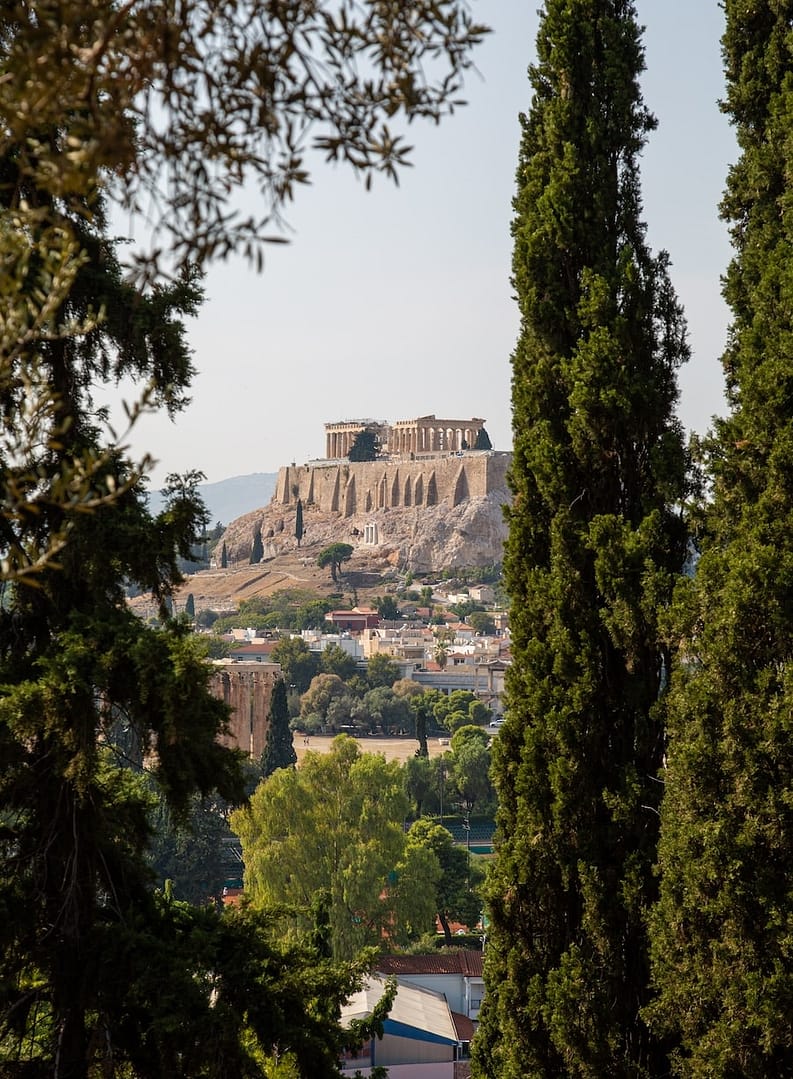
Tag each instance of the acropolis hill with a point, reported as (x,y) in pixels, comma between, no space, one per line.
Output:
(428,502)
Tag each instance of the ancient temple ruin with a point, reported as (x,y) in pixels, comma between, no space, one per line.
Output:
(425,435)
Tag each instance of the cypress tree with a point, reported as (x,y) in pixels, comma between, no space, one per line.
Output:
(279,752)
(594,545)
(722,930)
(257,547)
(224,557)
(299,522)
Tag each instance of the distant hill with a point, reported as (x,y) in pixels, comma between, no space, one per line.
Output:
(228,499)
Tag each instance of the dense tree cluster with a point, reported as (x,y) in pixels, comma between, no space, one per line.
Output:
(648,713)
(721,932)
(167,110)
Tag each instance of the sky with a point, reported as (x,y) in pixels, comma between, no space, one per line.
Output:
(397,303)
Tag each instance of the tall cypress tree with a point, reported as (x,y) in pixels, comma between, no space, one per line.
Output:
(595,542)
(722,950)
(279,752)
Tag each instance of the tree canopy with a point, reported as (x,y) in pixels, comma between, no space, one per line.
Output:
(165,111)
(334,555)
(721,929)
(595,542)
(335,826)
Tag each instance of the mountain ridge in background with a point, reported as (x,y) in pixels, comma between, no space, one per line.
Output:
(231,498)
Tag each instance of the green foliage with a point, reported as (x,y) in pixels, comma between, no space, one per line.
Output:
(335,825)
(457,894)
(224,558)
(387,608)
(381,670)
(334,556)
(468,735)
(311,615)
(334,660)
(482,440)
(279,752)
(465,608)
(97,100)
(190,852)
(298,664)
(482,623)
(189,607)
(721,929)
(594,546)
(458,709)
(324,689)
(387,710)
(366,446)
(421,787)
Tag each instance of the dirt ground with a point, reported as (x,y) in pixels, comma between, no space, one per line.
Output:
(393,749)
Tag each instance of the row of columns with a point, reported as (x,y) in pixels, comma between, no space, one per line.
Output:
(423,435)
(439,437)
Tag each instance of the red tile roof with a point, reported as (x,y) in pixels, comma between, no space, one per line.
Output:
(466,962)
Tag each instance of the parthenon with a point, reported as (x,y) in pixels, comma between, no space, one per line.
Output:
(404,438)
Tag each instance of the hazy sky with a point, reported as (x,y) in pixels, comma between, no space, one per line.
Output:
(397,302)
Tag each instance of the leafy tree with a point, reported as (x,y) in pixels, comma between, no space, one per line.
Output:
(191,852)
(334,556)
(469,735)
(323,690)
(334,660)
(482,623)
(206,618)
(594,545)
(335,825)
(298,664)
(216,647)
(366,446)
(97,100)
(387,608)
(457,896)
(721,929)
(386,709)
(423,705)
(189,607)
(224,558)
(75,819)
(458,709)
(482,440)
(156,64)
(381,670)
(406,687)
(279,752)
(299,522)
(465,608)
(426,595)
(257,547)
(470,773)
(312,615)
(420,784)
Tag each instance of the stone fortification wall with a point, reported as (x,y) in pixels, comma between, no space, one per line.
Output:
(349,489)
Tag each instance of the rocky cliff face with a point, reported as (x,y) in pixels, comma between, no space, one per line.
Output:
(423,539)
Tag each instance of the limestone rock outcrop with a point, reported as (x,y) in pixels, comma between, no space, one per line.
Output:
(424,516)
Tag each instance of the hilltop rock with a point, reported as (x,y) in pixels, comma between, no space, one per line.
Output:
(423,539)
